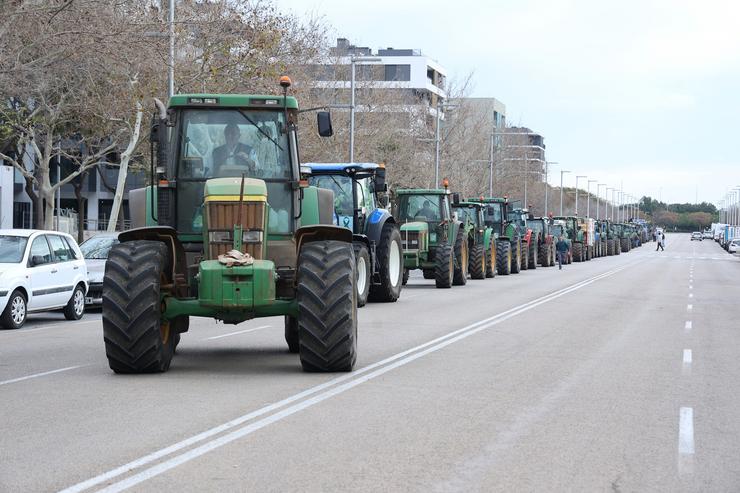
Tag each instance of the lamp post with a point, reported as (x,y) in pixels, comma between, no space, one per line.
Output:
(547,185)
(353,61)
(607,202)
(562,171)
(588,196)
(598,197)
(577,177)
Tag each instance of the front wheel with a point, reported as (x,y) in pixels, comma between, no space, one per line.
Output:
(491,259)
(327,306)
(477,262)
(444,266)
(532,264)
(389,255)
(14,315)
(137,339)
(362,258)
(460,277)
(504,258)
(76,305)
(516,256)
(291,334)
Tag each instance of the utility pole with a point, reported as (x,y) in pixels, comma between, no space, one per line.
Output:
(577,177)
(171,58)
(562,171)
(588,197)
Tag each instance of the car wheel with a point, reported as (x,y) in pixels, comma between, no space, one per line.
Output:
(76,305)
(14,315)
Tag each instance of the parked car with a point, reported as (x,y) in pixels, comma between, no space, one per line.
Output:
(734,246)
(95,250)
(40,271)
(696,235)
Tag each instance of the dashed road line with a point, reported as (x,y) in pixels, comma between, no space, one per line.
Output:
(42,374)
(686,440)
(688,325)
(689,307)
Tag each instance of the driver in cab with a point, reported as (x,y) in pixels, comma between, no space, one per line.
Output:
(234,154)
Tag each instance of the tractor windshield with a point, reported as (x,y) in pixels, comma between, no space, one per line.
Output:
(492,214)
(535,226)
(341,185)
(215,143)
(467,214)
(557,230)
(420,208)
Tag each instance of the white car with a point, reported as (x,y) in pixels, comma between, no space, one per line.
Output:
(734,246)
(40,271)
(696,235)
(95,250)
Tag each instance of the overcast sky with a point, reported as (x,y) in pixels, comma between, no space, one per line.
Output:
(641,91)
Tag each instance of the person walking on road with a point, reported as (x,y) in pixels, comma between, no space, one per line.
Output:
(661,242)
(562,248)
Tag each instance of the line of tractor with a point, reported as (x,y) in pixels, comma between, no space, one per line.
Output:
(233,227)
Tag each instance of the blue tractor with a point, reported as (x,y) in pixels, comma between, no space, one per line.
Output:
(359,198)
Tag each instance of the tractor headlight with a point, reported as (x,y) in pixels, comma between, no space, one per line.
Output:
(219,236)
(252,237)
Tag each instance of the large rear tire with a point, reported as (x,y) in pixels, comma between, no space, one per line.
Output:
(444,266)
(477,266)
(578,252)
(532,257)
(516,256)
(327,306)
(461,259)
(504,260)
(389,255)
(137,339)
(544,255)
(364,274)
(491,258)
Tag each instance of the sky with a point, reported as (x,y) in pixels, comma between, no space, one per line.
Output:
(643,94)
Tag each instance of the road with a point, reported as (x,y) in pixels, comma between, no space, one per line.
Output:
(618,374)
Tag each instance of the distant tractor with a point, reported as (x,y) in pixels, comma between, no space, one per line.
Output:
(230,230)
(559,229)
(433,241)
(517,218)
(577,236)
(542,231)
(481,241)
(506,236)
(376,237)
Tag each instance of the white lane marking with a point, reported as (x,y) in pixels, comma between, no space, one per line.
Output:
(68,325)
(691,287)
(688,325)
(236,333)
(42,374)
(676,256)
(400,359)
(686,431)
(689,307)
(691,295)
(687,356)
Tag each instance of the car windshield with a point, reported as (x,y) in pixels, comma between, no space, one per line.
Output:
(98,247)
(12,248)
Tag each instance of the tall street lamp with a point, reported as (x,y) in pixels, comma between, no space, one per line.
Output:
(353,61)
(588,196)
(577,177)
(547,185)
(607,202)
(562,171)
(598,196)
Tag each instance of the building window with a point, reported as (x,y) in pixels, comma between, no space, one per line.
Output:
(22,215)
(397,72)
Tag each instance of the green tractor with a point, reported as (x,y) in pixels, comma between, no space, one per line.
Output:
(624,233)
(433,240)
(506,235)
(481,243)
(542,231)
(359,190)
(517,218)
(577,236)
(612,238)
(230,230)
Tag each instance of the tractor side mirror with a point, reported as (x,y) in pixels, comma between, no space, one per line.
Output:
(323,120)
(455,198)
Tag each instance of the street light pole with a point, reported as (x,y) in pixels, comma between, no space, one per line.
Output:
(588,196)
(598,197)
(171,58)
(562,171)
(577,177)
(547,184)
(353,61)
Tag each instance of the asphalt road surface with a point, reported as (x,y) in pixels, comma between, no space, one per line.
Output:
(619,374)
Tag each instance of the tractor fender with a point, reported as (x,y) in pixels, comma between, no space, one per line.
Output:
(375,222)
(487,238)
(528,236)
(321,232)
(168,236)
